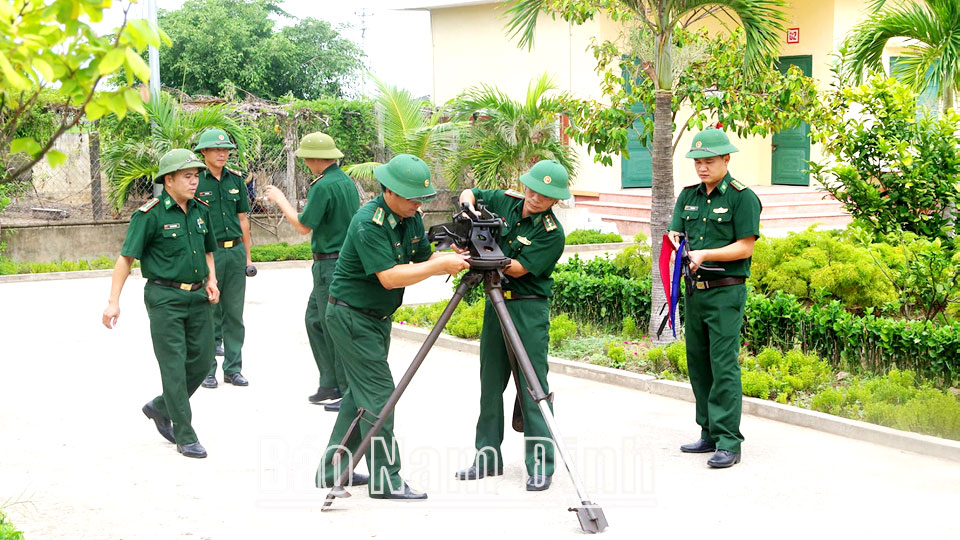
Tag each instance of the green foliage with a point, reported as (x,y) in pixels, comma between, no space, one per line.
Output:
(8,267)
(813,265)
(773,375)
(582,348)
(502,137)
(307,60)
(604,301)
(894,400)
(629,328)
(866,342)
(589,236)
(616,354)
(635,259)
(473,295)
(7,530)
(467,320)
(640,238)
(281,251)
(50,53)
(676,355)
(889,169)
(562,328)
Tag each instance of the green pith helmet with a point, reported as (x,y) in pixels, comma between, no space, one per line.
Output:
(548,178)
(214,138)
(175,160)
(407,176)
(318,145)
(710,142)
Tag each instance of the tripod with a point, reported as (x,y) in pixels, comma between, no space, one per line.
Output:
(489,270)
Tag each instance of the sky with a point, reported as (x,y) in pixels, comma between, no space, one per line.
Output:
(397,42)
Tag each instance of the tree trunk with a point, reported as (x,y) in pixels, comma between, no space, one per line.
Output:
(662,205)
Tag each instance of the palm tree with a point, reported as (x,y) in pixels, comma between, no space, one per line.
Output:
(505,136)
(934,59)
(131,164)
(409,126)
(762,21)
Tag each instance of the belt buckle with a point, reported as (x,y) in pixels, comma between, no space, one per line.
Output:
(508,295)
(701,285)
(186,287)
(228,244)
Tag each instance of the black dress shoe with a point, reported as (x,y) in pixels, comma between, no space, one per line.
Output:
(700,447)
(539,482)
(164,425)
(333,406)
(475,473)
(723,459)
(218,350)
(405,494)
(325,394)
(210,381)
(194,450)
(235,379)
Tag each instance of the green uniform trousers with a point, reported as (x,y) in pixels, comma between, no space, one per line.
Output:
(713,321)
(362,343)
(231,264)
(324,352)
(532,319)
(181,325)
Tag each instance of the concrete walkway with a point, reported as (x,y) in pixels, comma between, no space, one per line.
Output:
(86,464)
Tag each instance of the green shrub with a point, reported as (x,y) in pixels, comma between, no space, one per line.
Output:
(8,267)
(757,383)
(657,359)
(617,354)
(561,329)
(629,328)
(674,352)
(281,251)
(582,348)
(582,236)
(635,259)
(603,301)
(640,238)
(466,321)
(7,530)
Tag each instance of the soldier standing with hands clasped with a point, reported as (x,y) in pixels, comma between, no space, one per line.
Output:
(721,220)
(171,237)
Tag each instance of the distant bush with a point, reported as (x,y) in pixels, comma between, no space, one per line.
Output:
(635,260)
(281,251)
(586,236)
(8,267)
(562,327)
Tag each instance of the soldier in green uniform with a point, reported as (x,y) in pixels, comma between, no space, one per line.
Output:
(331,203)
(533,239)
(226,194)
(386,249)
(172,238)
(721,220)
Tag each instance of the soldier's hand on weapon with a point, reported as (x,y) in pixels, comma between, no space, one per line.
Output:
(696,258)
(273,194)
(213,293)
(468,207)
(453,263)
(110,315)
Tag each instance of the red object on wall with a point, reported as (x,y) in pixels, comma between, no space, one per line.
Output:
(793,35)
(564,124)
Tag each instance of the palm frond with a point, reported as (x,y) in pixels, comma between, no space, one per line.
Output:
(523,16)
(362,171)
(762,21)
(402,114)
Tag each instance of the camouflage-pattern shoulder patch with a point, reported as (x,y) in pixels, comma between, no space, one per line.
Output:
(737,185)
(549,224)
(235,172)
(378,216)
(148,205)
(201,201)
(314,181)
(513,193)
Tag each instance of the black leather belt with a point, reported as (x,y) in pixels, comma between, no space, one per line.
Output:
(325,256)
(175,285)
(366,312)
(229,243)
(724,282)
(510,295)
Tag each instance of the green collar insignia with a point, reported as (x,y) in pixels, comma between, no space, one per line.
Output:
(392,221)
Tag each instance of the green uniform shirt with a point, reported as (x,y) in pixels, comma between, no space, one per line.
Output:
(227,197)
(170,244)
(377,240)
(536,241)
(331,203)
(730,212)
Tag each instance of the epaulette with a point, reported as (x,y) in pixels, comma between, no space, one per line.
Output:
(514,194)
(201,201)
(235,173)
(378,216)
(549,224)
(149,204)
(737,185)
(314,181)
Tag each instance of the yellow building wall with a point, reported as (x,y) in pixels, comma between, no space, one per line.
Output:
(470,47)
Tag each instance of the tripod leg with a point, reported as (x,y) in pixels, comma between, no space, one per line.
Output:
(469,280)
(517,421)
(590,515)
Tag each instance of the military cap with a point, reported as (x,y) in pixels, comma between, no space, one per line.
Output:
(407,176)
(175,160)
(711,142)
(214,138)
(548,178)
(319,146)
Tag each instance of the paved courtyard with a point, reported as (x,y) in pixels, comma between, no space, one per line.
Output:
(79,460)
